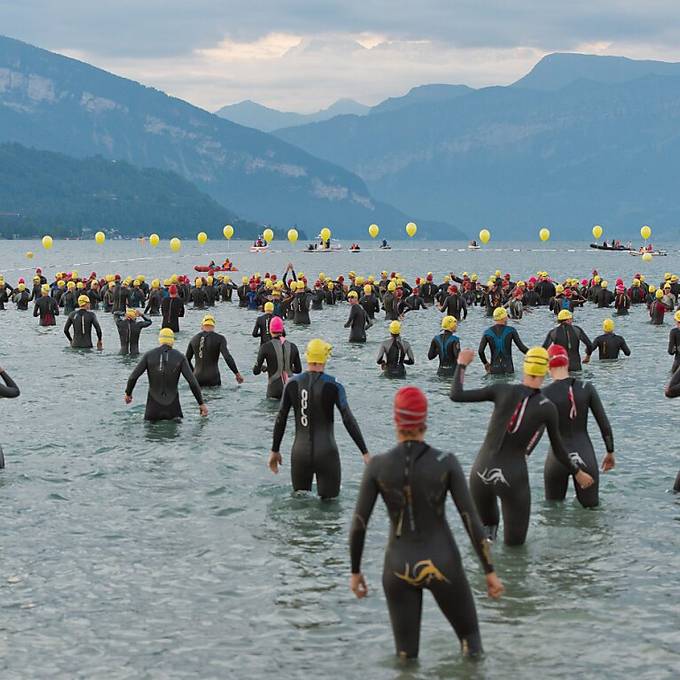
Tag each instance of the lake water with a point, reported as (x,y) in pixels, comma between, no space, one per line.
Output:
(131,550)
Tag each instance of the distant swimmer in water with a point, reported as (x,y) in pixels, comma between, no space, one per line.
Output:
(395,353)
(672,391)
(205,349)
(358,320)
(46,307)
(520,415)
(130,324)
(172,309)
(674,342)
(163,366)
(82,321)
(313,396)
(7,391)
(280,358)
(570,337)
(574,400)
(445,347)
(414,481)
(499,338)
(609,345)
(261,329)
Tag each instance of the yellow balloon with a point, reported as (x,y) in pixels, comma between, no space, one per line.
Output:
(597,231)
(374,230)
(154,240)
(29,255)
(325,234)
(411,229)
(647,257)
(228,231)
(544,234)
(268,235)
(100,237)
(47,242)
(175,244)
(292,235)
(202,237)
(645,232)
(484,235)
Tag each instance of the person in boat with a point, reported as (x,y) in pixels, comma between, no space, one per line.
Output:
(212,264)
(384,243)
(605,245)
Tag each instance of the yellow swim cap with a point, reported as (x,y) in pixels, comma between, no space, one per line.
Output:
(156,283)
(604,284)
(677,316)
(244,279)
(45,288)
(652,288)
(318,351)
(536,362)
(210,280)
(497,273)
(166,336)
(352,294)
(208,320)
(136,282)
(474,277)
(449,323)
(391,286)
(268,307)
(447,278)
(199,283)
(83,300)
(659,294)
(360,280)
(395,328)
(322,276)
(368,289)
(499,314)
(597,279)
(565,315)
(61,283)
(559,288)
(636,283)
(608,325)
(130,313)
(330,285)
(80,285)
(22,286)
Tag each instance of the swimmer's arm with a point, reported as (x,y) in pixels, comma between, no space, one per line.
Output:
(67,328)
(601,419)
(193,383)
(556,441)
(586,341)
(368,494)
(9,390)
(381,355)
(348,419)
(482,350)
(189,354)
(134,376)
(673,389)
(260,361)
(433,352)
(624,347)
(256,329)
(672,346)
(549,339)
(454,350)
(281,418)
(518,342)
(36,311)
(97,328)
(295,362)
(461,497)
(352,314)
(409,360)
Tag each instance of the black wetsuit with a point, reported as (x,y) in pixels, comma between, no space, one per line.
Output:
(454,305)
(519,418)
(370,304)
(499,338)
(129,331)
(445,347)
(313,397)
(390,303)
(414,481)
(281,361)
(47,309)
(674,347)
(574,399)
(357,322)
(163,366)
(569,336)
(172,310)
(7,391)
(261,329)
(300,306)
(199,297)
(82,321)
(206,347)
(673,391)
(609,345)
(153,304)
(393,355)
(21,299)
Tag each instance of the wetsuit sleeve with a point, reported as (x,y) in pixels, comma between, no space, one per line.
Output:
(295,362)
(518,342)
(586,341)
(368,493)
(454,350)
(410,359)
(67,327)
(36,311)
(259,362)
(97,328)
(482,349)
(468,513)
(381,354)
(256,329)
(348,419)
(549,339)
(9,390)
(556,441)
(189,354)
(227,356)
(601,419)
(191,379)
(672,347)
(145,323)
(464,308)
(624,347)
(352,314)
(433,352)
(135,375)
(281,418)
(459,394)
(673,389)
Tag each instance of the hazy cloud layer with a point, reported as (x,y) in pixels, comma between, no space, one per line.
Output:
(302,55)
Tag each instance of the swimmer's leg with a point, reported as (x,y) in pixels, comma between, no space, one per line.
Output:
(555,479)
(328,474)
(405,604)
(485,501)
(301,469)
(516,507)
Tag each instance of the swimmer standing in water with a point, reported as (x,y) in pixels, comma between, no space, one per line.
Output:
(7,391)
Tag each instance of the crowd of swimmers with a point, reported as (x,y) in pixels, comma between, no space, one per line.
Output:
(413,478)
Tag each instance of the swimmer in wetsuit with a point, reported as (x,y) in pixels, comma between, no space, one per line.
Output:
(358,320)
(7,391)
(574,400)
(520,415)
(570,337)
(46,307)
(164,365)
(445,347)
(280,358)
(83,321)
(672,391)
(313,396)
(674,342)
(261,329)
(130,324)
(206,348)
(395,354)
(414,481)
(172,309)
(609,345)
(499,338)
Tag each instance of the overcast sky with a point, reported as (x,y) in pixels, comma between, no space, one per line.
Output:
(302,55)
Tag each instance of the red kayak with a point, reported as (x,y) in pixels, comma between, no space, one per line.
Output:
(206,268)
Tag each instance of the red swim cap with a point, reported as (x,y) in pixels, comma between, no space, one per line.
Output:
(276,325)
(410,408)
(557,356)
(172,290)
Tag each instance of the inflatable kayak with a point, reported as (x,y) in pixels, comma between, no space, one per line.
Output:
(653,253)
(206,268)
(258,249)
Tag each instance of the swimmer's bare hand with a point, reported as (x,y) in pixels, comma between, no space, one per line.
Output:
(466,356)
(608,462)
(367,457)
(274,461)
(357,584)
(128,398)
(100,346)
(203,410)
(494,586)
(586,359)
(239,378)
(583,479)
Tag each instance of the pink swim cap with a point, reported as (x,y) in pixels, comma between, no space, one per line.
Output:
(276,325)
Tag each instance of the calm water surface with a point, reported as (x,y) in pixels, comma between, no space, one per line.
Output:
(170,551)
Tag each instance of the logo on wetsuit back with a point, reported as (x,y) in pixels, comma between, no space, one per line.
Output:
(493,476)
(576,459)
(304,397)
(423,573)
